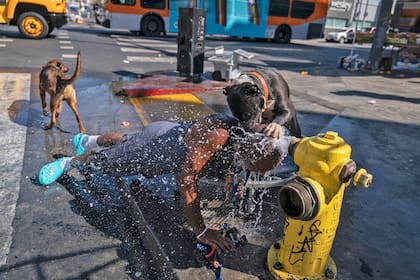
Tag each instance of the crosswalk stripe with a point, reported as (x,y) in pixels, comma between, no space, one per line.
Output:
(64,42)
(16,88)
(2,45)
(124,43)
(151,59)
(145,41)
(141,50)
(6,40)
(66,47)
(69,55)
(147,45)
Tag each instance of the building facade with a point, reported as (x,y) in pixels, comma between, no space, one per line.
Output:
(361,14)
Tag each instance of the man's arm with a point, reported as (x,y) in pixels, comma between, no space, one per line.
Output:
(203,140)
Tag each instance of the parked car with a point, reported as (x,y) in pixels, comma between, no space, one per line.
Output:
(344,35)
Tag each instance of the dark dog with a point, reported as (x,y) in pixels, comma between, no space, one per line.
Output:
(54,80)
(267,90)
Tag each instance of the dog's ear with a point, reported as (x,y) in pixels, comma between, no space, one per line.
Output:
(226,90)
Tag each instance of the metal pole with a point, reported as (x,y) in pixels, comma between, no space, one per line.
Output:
(364,15)
(357,13)
(379,38)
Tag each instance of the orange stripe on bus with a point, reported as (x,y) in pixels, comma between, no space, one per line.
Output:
(135,10)
(320,12)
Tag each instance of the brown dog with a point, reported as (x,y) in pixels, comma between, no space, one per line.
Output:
(54,80)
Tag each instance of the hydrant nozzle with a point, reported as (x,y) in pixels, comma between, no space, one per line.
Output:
(362,178)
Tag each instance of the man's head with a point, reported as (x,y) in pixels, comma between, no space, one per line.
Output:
(246,102)
(260,153)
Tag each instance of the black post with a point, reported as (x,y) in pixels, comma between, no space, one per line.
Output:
(191,42)
(379,38)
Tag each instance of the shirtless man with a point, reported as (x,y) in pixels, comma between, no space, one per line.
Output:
(205,147)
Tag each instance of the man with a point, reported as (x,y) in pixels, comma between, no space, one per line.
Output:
(205,147)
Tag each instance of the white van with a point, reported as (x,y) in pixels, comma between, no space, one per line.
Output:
(344,35)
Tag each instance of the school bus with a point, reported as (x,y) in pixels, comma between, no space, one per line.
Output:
(280,20)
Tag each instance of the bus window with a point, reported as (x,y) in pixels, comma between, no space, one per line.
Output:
(301,9)
(153,4)
(124,2)
(279,8)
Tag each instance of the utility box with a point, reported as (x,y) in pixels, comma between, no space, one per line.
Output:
(226,63)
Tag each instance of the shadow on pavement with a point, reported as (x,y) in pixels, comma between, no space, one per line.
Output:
(377,96)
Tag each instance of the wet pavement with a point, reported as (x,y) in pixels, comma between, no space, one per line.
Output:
(71,231)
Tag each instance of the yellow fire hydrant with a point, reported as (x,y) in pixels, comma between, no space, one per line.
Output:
(312,201)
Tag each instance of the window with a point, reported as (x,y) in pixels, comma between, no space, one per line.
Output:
(279,8)
(301,9)
(153,4)
(362,25)
(336,23)
(124,2)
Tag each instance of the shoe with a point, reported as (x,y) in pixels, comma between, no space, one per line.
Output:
(78,143)
(50,172)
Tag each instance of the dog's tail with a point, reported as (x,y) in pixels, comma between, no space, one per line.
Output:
(62,83)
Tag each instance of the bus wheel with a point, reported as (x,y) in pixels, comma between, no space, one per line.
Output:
(33,25)
(152,26)
(283,34)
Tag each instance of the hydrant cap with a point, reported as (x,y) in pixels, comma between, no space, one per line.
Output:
(329,138)
(331,135)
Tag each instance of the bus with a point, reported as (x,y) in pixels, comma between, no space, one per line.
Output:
(279,20)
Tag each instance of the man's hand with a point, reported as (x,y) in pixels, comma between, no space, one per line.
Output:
(273,130)
(215,239)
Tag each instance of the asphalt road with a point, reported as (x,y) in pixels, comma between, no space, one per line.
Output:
(45,234)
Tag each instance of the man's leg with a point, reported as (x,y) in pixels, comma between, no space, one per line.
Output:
(83,142)
(109,139)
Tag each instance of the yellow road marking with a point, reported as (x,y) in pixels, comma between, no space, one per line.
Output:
(171,107)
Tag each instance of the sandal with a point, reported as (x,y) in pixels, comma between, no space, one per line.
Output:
(50,172)
(78,143)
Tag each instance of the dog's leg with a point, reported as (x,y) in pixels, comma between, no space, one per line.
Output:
(294,127)
(43,101)
(73,106)
(53,108)
(59,109)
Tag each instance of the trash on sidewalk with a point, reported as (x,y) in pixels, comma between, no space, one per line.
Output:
(351,63)
(226,63)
